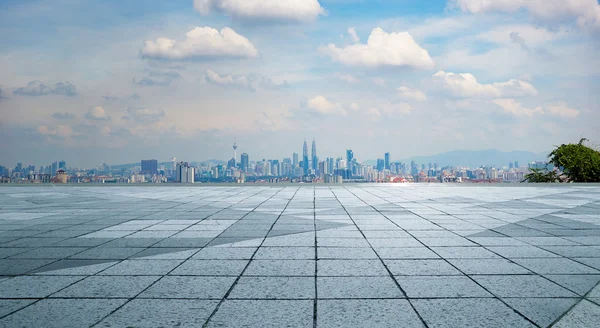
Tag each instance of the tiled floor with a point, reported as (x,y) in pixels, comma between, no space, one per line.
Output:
(300,256)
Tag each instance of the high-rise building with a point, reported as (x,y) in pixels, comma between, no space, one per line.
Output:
(349,156)
(62,165)
(234,152)
(380,164)
(54,168)
(510,166)
(295,160)
(387,161)
(315,159)
(330,165)
(305,166)
(245,162)
(149,166)
(516,164)
(184,173)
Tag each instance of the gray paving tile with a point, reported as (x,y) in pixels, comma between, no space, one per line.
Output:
(210,268)
(107,287)
(488,266)
(437,267)
(357,287)
(141,268)
(8,306)
(464,252)
(150,313)
(34,286)
(440,287)
(350,268)
(482,312)
(367,313)
(285,253)
(274,288)
(542,311)
(193,287)
(14,267)
(265,313)
(221,253)
(281,268)
(74,267)
(522,286)
(107,253)
(584,314)
(346,253)
(62,313)
(556,266)
(406,253)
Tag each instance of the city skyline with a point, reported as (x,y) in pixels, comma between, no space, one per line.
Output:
(105,81)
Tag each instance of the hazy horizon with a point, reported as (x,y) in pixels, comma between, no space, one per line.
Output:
(116,82)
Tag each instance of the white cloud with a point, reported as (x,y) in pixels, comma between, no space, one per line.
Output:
(61,131)
(38,88)
(145,114)
(560,109)
(466,85)
(97,113)
(348,78)
(201,42)
(414,94)
(323,106)
(382,49)
(261,10)
(586,13)
(252,82)
(353,35)
(354,107)
(515,108)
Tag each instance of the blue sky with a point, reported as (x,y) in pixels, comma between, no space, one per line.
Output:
(117,81)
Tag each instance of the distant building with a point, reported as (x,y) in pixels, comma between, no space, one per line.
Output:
(184,173)
(315,158)
(149,166)
(62,165)
(349,156)
(305,161)
(245,162)
(380,164)
(387,161)
(61,176)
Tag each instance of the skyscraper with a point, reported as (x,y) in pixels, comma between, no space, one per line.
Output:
(387,161)
(54,168)
(149,166)
(380,164)
(295,160)
(315,159)
(349,156)
(184,173)
(62,165)
(245,162)
(305,158)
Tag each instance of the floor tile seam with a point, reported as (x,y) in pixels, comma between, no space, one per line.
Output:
(216,309)
(159,279)
(585,297)
(380,260)
(505,258)
(456,268)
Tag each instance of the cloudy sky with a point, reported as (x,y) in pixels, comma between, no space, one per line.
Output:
(117,81)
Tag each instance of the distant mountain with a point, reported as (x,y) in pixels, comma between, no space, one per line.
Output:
(475,158)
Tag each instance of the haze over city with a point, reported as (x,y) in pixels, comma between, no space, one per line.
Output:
(116,81)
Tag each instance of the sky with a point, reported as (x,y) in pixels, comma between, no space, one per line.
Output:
(114,81)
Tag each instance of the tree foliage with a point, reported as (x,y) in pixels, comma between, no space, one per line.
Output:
(542,176)
(577,161)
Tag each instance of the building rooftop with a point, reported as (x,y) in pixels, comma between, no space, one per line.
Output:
(300,256)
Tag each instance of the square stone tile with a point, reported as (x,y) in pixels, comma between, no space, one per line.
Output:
(440,287)
(556,266)
(488,266)
(210,268)
(161,253)
(265,313)
(74,267)
(285,253)
(578,283)
(421,268)
(274,288)
(107,253)
(150,313)
(346,253)
(107,287)
(406,253)
(542,311)
(350,268)
(522,286)
(476,252)
(584,314)
(62,313)
(357,287)
(367,313)
(14,267)
(472,312)
(195,287)
(141,268)
(8,306)
(49,253)
(221,253)
(281,268)
(34,286)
